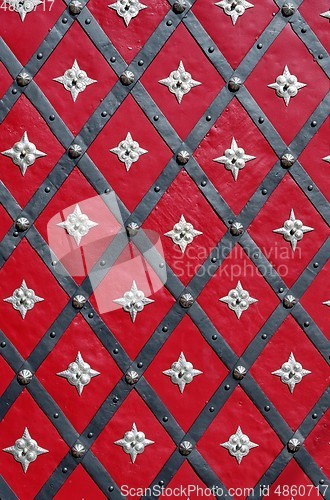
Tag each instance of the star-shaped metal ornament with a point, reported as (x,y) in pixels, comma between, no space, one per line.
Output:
(291,373)
(23,299)
(77,224)
(234,158)
(127,9)
(239,445)
(293,230)
(182,372)
(286,86)
(179,82)
(326,303)
(238,300)
(25,450)
(23,153)
(326,158)
(326,14)
(128,151)
(183,233)
(79,373)
(234,8)
(133,301)
(134,442)
(22,7)
(75,80)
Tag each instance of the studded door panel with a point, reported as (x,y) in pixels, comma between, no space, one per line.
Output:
(164,242)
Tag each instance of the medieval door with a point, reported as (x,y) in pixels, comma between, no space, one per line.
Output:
(164,298)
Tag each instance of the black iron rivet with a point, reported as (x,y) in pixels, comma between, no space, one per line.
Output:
(52,335)
(47,189)
(102,263)
(104,113)
(15,233)
(208,118)
(314,123)
(161,264)
(87,21)
(281,290)
(54,263)
(64,20)
(127,78)
(289,301)
(179,6)
(211,49)
(264,191)
(320,56)
(139,365)
(259,46)
(112,59)
(267,408)
(107,191)
(288,9)
(234,84)
(169,22)
(111,488)
(227,387)
(115,399)
(214,337)
(23,79)
(303,30)
(90,435)
(306,324)
(261,119)
(203,183)
(115,351)
(165,329)
(91,315)
(264,336)
(211,409)
(40,55)
(14,91)
(156,118)
(157,189)
(56,415)
(321,481)
(314,416)
(310,187)
(165,419)
(141,62)
(65,470)
(214,259)
(230,221)
(316,265)
(3,344)
(52,118)
(161,483)
(256,256)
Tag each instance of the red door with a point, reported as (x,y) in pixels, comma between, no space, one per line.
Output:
(164,295)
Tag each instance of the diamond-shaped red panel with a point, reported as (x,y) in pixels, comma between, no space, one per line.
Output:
(237,332)
(288,263)
(24,264)
(182,116)
(317,444)
(7,375)
(75,114)
(293,406)
(288,50)
(146,466)
(168,213)
(79,409)
(313,299)
(235,123)
(23,117)
(32,30)
(5,80)
(186,484)
(319,24)
(79,486)
(294,484)
(187,339)
(239,37)
(239,411)
(312,161)
(26,413)
(129,40)
(131,266)
(130,185)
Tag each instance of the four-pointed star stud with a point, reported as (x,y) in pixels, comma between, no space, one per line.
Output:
(77,224)
(23,299)
(79,373)
(75,80)
(134,442)
(179,82)
(238,300)
(182,372)
(293,230)
(239,445)
(286,86)
(128,151)
(234,8)
(133,301)
(127,9)
(234,158)
(291,372)
(183,233)
(25,450)
(23,153)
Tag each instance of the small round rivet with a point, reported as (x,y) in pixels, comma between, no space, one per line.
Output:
(213,259)
(314,123)
(306,324)
(165,329)
(267,408)
(289,301)
(320,56)
(47,189)
(79,301)
(56,415)
(179,6)
(24,377)
(287,160)
(23,79)
(314,416)
(264,336)
(185,448)
(227,387)
(87,21)
(156,189)
(161,483)
(78,450)
(127,78)
(52,335)
(264,192)
(165,419)
(91,315)
(259,46)
(310,187)
(288,9)
(294,445)
(112,59)
(131,377)
(316,265)
(115,351)
(304,29)
(115,399)
(156,118)
(261,119)
(186,300)
(107,190)
(141,62)
(22,224)
(236,229)
(239,372)
(234,84)
(211,49)
(132,229)
(104,113)
(90,435)
(111,488)
(3,344)
(52,118)
(203,183)
(15,233)
(75,151)
(65,470)
(281,289)
(75,7)
(321,481)
(169,22)
(211,409)
(208,118)
(139,365)
(64,20)
(40,55)
(14,91)
(182,157)
(214,337)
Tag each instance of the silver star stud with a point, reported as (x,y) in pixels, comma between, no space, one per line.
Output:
(179,82)
(77,224)
(234,8)
(22,7)
(128,151)
(25,450)
(134,442)
(182,372)
(238,300)
(326,303)
(293,230)
(79,373)
(326,14)
(291,373)
(234,158)
(133,301)
(326,158)
(239,445)
(183,233)
(127,9)
(286,86)
(23,153)
(75,80)
(23,299)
